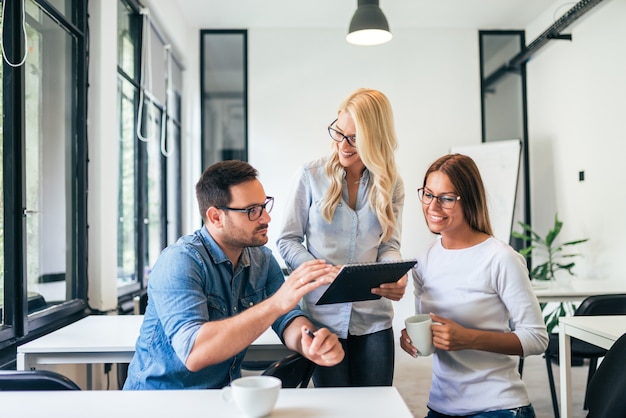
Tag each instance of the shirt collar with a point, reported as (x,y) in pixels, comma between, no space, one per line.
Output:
(216,253)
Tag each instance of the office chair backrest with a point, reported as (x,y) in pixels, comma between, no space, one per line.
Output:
(603,305)
(294,371)
(34,380)
(140,303)
(606,393)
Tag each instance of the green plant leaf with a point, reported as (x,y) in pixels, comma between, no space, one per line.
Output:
(527,251)
(549,248)
(580,241)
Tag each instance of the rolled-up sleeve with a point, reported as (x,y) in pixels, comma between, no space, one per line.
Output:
(179,298)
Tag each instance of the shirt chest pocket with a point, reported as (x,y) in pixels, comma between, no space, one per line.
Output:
(251,299)
(217,308)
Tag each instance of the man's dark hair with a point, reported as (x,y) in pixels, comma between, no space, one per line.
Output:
(213,188)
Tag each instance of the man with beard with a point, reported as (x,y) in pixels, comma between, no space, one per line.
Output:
(212,293)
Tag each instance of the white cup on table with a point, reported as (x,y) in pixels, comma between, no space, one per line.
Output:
(255,396)
(419,329)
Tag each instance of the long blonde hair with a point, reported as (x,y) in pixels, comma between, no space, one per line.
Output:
(376,143)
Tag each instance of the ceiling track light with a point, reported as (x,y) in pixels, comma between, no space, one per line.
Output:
(368,25)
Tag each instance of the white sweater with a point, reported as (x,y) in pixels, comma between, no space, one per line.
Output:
(483,287)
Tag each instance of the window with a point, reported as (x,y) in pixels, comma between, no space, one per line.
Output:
(43,168)
(149,212)
(504,114)
(224,84)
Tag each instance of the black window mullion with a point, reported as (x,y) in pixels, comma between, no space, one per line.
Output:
(82,154)
(14,225)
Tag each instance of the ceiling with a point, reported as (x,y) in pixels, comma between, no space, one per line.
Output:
(478,14)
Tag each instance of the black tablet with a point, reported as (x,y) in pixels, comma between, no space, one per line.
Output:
(355,281)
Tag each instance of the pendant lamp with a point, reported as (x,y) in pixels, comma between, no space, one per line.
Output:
(368,25)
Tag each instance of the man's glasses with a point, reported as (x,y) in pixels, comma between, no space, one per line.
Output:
(446,201)
(254,212)
(338,136)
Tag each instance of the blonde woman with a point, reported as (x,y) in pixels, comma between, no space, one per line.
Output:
(347,207)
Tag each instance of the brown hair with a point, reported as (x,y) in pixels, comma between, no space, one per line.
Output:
(213,188)
(465,177)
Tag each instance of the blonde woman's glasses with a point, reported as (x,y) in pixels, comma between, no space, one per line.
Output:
(339,136)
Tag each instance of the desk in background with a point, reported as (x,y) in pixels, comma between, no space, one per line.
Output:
(111,339)
(575,289)
(602,331)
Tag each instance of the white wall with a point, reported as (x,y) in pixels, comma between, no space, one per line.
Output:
(298,77)
(103,140)
(576,105)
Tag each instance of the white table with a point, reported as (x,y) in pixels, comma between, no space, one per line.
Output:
(111,339)
(573,289)
(602,331)
(310,403)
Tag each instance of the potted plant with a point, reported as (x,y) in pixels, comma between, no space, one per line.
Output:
(547,248)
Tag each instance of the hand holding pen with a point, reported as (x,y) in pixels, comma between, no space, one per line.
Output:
(322,346)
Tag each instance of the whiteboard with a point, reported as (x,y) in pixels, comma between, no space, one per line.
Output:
(498,162)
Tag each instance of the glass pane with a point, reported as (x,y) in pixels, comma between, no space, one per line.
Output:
(126,247)
(224,130)
(63,6)
(503,103)
(48,150)
(174,198)
(503,96)
(126,33)
(154,199)
(1,189)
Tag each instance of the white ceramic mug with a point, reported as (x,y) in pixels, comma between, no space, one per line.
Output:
(419,329)
(255,396)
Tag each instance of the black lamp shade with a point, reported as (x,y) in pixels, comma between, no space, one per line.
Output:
(368,25)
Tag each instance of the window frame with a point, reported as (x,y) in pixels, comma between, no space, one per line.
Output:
(127,292)
(18,327)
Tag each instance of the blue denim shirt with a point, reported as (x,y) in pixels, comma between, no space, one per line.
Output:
(193,282)
(351,237)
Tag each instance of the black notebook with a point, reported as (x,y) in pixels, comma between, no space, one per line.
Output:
(355,281)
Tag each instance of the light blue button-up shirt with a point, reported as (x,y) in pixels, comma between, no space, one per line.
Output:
(351,237)
(193,282)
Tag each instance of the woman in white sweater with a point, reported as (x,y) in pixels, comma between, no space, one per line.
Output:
(478,293)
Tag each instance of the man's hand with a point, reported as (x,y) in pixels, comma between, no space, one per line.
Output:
(323,349)
(309,276)
(393,291)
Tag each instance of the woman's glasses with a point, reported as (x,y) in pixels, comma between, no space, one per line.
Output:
(446,201)
(339,136)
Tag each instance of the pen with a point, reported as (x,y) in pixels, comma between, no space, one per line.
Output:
(309,333)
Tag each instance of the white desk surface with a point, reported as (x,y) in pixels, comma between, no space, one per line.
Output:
(572,289)
(602,331)
(305,403)
(101,339)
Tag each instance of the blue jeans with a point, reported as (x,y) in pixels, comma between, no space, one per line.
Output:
(368,361)
(523,412)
